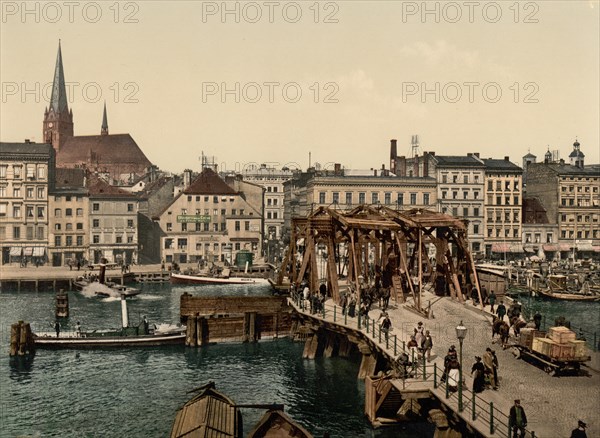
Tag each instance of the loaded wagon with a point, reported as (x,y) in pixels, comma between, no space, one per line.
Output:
(555,351)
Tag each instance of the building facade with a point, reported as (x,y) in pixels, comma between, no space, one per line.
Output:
(26,176)
(503,207)
(68,236)
(209,221)
(570,193)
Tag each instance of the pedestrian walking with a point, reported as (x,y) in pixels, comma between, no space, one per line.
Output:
(386,325)
(57,328)
(517,420)
(537,319)
(427,345)
(492,300)
(580,431)
(478,373)
(495,369)
(501,310)
(488,362)
(78,329)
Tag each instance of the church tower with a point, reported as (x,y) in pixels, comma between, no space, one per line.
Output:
(58,120)
(104,128)
(576,157)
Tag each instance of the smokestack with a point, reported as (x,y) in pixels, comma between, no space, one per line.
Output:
(402,164)
(393,155)
(426,164)
(187,178)
(416,165)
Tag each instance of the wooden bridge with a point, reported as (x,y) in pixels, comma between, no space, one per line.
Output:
(398,385)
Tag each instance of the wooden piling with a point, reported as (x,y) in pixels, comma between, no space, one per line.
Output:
(14,338)
(62,304)
(21,339)
(190,339)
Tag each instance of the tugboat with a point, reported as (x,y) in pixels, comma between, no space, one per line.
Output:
(127,336)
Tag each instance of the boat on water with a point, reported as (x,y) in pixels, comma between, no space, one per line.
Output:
(276,424)
(558,288)
(108,289)
(208,414)
(223,278)
(141,335)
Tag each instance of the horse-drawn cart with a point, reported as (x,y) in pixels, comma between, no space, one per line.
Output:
(556,352)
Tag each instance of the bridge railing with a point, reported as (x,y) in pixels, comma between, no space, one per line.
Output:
(413,364)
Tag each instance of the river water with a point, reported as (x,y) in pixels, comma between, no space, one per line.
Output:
(136,392)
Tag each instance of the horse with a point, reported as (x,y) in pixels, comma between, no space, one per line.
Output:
(501,328)
(517,324)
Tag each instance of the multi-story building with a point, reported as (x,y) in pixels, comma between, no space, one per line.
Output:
(570,194)
(209,221)
(113,220)
(26,176)
(336,189)
(539,236)
(272,179)
(503,205)
(460,186)
(68,203)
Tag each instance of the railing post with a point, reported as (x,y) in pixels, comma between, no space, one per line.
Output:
(373,326)
(532,434)
(346,317)
(380,335)
(424,369)
(386,340)
(395,345)
(492,420)
(334,312)
(435,385)
(358,320)
(473,405)
(323,310)
(404,346)
(367,323)
(446,383)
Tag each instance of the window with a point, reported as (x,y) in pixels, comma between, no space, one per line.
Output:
(57,240)
(498,186)
(348,197)
(454,211)
(29,211)
(548,237)
(490,185)
(184,226)
(16,232)
(169,226)
(413,198)
(79,240)
(16,211)
(475,228)
(96,238)
(29,231)
(130,223)
(336,197)
(95,206)
(129,239)
(374,198)
(387,198)
(476,179)
(454,195)
(400,199)
(206,226)
(274,215)
(454,179)
(79,226)
(3,171)
(119,239)
(444,194)
(362,197)
(425,198)
(3,209)
(247,225)
(129,207)
(498,200)
(275,188)
(69,227)
(466,179)
(444,179)
(17,172)
(516,200)
(465,211)
(476,211)
(68,212)
(182,243)
(96,223)
(41,172)
(268,215)
(30,192)
(69,241)
(237,225)
(79,212)
(2,191)
(16,192)
(465,195)
(475,194)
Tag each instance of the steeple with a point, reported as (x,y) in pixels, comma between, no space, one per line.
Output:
(58,119)
(104,129)
(58,100)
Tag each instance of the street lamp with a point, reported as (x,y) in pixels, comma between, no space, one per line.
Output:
(461,333)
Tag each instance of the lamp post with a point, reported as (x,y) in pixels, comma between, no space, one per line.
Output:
(461,333)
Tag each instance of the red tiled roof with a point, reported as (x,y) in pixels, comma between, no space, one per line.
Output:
(209,183)
(118,151)
(98,188)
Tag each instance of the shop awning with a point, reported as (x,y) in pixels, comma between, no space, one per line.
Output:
(549,247)
(28,250)
(565,246)
(244,239)
(39,251)
(15,251)
(596,248)
(515,247)
(585,247)
(500,247)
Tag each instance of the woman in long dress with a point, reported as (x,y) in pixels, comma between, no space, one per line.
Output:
(478,373)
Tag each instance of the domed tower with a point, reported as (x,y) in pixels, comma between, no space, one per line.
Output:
(548,156)
(58,120)
(576,156)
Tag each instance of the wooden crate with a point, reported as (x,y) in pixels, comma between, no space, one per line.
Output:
(545,346)
(538,344)
(562,351)
(579,348)
(562,335)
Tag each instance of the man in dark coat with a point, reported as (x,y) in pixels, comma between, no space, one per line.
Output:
(501,310)
(479,378)
(580,431)
(517,419)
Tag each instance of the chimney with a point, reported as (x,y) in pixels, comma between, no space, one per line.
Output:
(506,158)
(432,154)
(469,154)
(27,141)
(426,164)
(562,161)
(337,169)
(402,165)
(374,172)
(416,165)
(187,178)
(476,154)
(393,156)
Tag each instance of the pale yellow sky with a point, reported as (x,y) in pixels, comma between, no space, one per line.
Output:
(164,69)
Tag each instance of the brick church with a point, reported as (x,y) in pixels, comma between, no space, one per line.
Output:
(115,157)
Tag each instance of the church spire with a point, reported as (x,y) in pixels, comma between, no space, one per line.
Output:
(104,129)
(58,100)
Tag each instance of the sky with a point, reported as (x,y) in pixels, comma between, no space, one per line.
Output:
(272,82)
